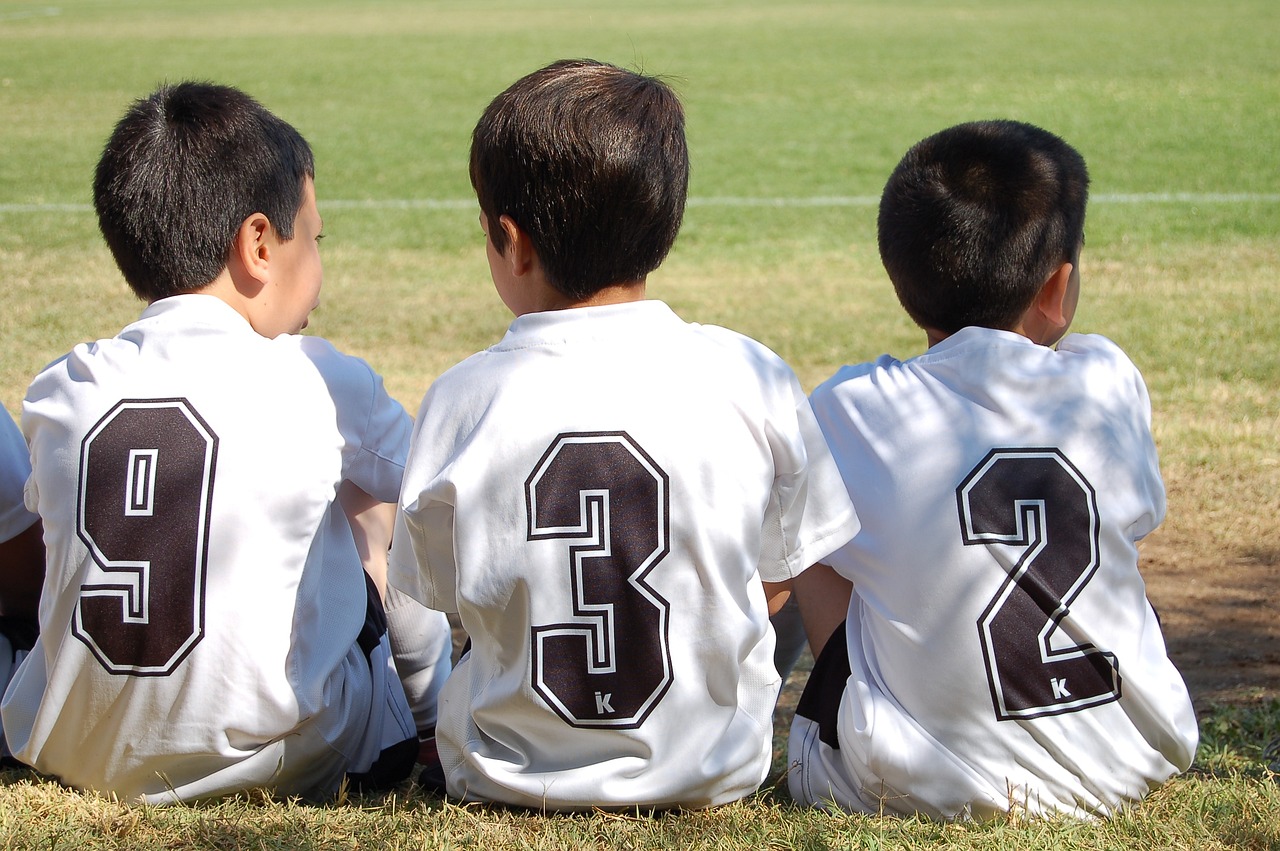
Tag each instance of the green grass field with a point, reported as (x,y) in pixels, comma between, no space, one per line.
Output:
(797,111)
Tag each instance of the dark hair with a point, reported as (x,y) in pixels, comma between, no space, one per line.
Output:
(590,161)
(182,171)
(976,218)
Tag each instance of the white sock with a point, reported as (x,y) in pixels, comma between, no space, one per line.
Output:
(422,643)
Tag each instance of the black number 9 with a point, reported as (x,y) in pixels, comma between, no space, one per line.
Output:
(146,482)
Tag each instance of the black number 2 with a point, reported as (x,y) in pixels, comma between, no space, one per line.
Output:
(146,482)
(611,664)
(1039,517)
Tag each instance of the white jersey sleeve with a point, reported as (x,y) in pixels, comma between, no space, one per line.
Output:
(422,562)
(803,522)
(999,633)
(599,497)
(375,428)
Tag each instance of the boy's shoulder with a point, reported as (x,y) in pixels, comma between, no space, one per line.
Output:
(860,379)
(978,363)
(986,347)
(737,344)
(1095,346)
(327,357)
(1104,370)
(187,343)
(635,327)
(854,372)
(716,342)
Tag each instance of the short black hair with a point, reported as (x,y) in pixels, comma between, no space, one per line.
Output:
(590,160)
(181,172)
(976,218)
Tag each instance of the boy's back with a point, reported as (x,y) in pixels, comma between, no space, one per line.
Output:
(618,482)
(219,451)
(988,458)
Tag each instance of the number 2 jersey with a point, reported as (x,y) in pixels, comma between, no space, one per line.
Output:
(1002,651)
(203,598)
(599,496)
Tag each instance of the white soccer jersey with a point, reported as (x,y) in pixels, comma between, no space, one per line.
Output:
(203,595)
(15,466)
(599,496)
(1003,653)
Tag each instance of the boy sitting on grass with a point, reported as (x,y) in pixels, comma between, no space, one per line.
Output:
(985,643)
(210,484)
(610,498)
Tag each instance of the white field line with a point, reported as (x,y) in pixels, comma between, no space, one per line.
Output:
(724,201)
(23,14)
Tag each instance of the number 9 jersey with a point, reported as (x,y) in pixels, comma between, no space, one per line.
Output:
(203,601)
(599,496)
(1002,654)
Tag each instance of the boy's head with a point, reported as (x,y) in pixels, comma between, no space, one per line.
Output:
(975,219)
(182,171)
(590,161)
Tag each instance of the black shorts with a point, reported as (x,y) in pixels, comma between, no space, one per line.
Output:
(820,701)
(375,619)
(395,763)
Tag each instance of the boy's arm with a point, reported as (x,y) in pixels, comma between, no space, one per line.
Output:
(824,597)
(372,522)
(22,573)
(777,594)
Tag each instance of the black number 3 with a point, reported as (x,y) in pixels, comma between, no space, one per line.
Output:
(1039,517)
(146,482)
(611,664)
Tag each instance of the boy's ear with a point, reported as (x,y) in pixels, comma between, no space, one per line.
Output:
(1051,302)
(251,248)
(520,253)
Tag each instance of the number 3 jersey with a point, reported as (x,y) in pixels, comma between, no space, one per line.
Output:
(599,496)
(200,613)
(1002,650)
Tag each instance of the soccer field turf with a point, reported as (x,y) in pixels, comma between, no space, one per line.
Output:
(797,111)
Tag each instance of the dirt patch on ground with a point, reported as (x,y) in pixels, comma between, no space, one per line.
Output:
(1220,617)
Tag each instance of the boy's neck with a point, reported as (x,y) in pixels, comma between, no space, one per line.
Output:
(935,337)
(552,299)
(224,289)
